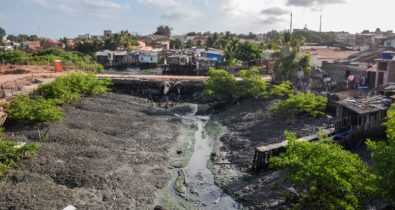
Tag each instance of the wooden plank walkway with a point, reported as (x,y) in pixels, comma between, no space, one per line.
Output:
(263,153)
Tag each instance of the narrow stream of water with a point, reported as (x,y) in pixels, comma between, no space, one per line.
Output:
(201,191)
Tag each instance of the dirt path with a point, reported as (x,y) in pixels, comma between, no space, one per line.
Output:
(110,152)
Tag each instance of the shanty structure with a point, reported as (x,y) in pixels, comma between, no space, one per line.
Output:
(361,118)
(264,153)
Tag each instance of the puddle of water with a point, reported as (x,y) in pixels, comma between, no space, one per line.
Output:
(202,193)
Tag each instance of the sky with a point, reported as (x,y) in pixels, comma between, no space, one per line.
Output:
(69,18)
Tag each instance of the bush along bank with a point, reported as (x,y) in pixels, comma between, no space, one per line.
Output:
(45,57)
(42,106)
(223,88)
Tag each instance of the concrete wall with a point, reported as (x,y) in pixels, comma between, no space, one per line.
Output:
(391,72)
(338,71)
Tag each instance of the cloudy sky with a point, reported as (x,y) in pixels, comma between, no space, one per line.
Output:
(59,18)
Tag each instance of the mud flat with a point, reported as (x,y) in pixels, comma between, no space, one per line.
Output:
(251,124)
(110,152)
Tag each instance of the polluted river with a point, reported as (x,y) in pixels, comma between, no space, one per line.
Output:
(193,185)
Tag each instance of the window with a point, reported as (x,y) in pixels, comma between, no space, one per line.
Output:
(382,66)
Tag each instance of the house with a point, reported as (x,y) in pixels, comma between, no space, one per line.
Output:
(156,41)
(151,57)
(390,42)
(383,73)
(120,57)
(31,46)
(107,33)
(360,118)
(104,57)
(346,75)
(328,54)
(204,64)
(49,43)
(84,36)
(217,55)
(179,60)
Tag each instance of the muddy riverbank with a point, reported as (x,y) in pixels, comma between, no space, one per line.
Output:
(110,152)
(251,124)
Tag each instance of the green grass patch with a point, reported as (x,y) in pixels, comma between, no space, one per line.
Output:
(11,153)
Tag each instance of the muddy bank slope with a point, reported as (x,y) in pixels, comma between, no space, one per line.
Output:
(251,124)
(110,152)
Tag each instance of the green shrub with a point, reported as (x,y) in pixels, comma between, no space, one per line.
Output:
(69,88)
(325,175)
(27,110)
(221,86)
(302,103)
(44,57)
(282,90)
(383,155)
(11,153)
(253,84)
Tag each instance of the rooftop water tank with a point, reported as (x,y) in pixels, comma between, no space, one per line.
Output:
(387,55)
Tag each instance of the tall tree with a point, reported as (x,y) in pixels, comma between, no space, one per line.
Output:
(291,58)
(163,30)
(246,51)
(383,154)
(176,44)
(2,32)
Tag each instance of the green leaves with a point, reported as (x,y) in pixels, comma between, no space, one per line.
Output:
(45,57)
(302,103)
(27,110)
(221,86)
(383,155)
(246,51)
(282,90)
(253,85)
(63,90)
(69,88)
(326,176)
(291,58)
(10,153)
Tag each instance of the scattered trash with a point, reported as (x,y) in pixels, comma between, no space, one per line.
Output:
(70,207)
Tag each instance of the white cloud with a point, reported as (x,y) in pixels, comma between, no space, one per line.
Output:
(41,3)
(309,3)
(177,14)
(175,9)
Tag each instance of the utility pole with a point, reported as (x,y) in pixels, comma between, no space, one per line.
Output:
(321,21)
(290,25)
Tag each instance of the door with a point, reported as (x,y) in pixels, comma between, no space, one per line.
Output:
(380,80)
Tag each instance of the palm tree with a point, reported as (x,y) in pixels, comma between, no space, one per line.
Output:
(290,57)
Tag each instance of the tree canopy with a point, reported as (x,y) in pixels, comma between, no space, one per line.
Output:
(122,40)
(291,58)
(163,30)
(2,32)
(246,51)
(325,175)
(383,155)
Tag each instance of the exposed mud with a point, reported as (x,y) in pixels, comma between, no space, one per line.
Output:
(251,124)
(110,152)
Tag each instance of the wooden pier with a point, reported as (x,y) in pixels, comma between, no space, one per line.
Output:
(264,153)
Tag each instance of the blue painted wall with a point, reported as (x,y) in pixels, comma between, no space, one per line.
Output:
(219,58)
